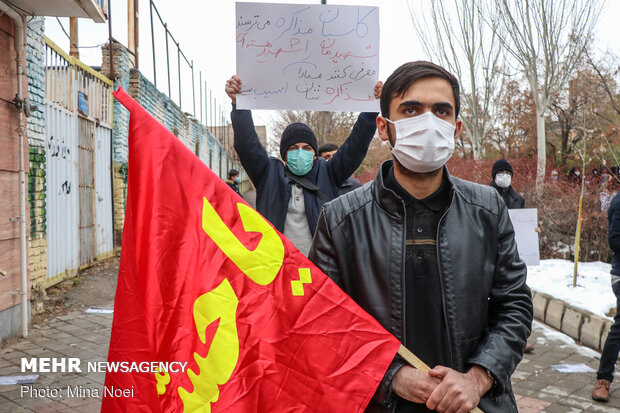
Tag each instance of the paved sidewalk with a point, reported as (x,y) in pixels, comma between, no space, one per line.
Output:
(77,334)
(539,387)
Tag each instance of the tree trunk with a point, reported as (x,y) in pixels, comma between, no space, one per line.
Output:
(564,137)
(542,148)
(475,146)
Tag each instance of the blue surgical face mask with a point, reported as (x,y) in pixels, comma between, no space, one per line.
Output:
(300,161)
(237,180)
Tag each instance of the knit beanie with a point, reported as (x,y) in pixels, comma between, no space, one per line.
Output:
(294,133)
(501,165)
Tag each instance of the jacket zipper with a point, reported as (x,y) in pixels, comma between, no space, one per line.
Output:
(403,278)
(441,281)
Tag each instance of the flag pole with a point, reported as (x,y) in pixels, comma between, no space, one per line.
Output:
(420,365)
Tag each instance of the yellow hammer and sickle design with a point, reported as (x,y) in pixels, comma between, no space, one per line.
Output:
(219,364)
(260,265)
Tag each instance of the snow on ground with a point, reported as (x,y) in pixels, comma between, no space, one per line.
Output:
(593,291)
(569,343)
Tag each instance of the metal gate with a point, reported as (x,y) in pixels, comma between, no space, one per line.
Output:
(78,164)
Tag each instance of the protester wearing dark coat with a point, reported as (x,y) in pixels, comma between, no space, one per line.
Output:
(326,151)
(488,306)
(613,216)
(233,180)
(512,199)
(349,185)
(273,186)
(611,349)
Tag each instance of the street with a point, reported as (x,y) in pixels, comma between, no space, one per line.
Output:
(79,334)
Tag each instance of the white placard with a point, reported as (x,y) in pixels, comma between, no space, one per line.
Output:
(524,222)
(307,57)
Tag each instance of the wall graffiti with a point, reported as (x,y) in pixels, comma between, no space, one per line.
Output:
(65,188)
(58,149)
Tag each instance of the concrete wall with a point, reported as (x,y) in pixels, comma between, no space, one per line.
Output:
(585,327)
(190,131)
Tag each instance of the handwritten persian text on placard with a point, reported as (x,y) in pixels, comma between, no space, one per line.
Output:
(308,57)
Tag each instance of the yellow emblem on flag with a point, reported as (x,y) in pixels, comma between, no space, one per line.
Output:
(304,278)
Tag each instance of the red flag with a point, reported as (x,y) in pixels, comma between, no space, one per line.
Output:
(205,280)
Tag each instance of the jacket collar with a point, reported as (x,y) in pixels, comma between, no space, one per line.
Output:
(388,199)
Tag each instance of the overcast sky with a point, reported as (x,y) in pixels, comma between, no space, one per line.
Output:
(206,33)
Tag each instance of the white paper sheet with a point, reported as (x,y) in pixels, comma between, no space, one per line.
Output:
(98,310)
(307,57)
(524,221)
(11,380)
(573,368)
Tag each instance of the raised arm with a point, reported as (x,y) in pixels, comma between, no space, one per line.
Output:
(251,153)
(351,154)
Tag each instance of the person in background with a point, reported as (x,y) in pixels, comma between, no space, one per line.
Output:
(574,175)
(502,173)
(326,151)
(291,191)
(233,180)
(502,178)
(431,257)
(609,356)
(554,175)
(607,191)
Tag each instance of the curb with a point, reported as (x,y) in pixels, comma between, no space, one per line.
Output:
(583,326)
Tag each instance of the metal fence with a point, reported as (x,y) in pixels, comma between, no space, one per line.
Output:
(210,112)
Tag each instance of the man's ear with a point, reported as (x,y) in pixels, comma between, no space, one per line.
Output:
(382,128)
(458,125)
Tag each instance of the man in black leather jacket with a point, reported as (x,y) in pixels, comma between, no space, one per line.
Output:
(431,257)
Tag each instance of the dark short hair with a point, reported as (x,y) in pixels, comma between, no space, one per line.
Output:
(402,78)
(233,172)
(327,147)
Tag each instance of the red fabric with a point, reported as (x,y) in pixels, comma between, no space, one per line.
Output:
(314,352)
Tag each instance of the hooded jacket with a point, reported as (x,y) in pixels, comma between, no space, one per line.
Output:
(360,244)
(273,187)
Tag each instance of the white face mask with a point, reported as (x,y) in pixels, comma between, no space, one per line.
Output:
(503,180)
(424,143)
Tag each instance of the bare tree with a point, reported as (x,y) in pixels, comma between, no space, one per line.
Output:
(546,38)
(607,80)
(581,102)
(455,35)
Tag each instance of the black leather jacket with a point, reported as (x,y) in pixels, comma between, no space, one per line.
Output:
(360,244)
